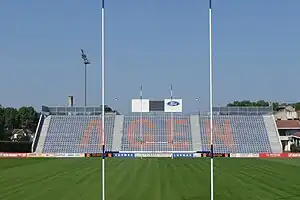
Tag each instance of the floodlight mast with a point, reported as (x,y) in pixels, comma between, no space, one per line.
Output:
(211,104)
(86,62)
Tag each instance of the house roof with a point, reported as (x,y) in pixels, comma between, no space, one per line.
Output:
(297,134)
(288,124)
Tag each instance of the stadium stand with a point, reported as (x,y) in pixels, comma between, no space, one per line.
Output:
(77,134)
(157,133)
(236,134)
(65,133)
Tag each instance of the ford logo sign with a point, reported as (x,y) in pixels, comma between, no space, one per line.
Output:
(173,103)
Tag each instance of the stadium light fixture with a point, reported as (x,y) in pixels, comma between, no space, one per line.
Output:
(198,105)
(86,62)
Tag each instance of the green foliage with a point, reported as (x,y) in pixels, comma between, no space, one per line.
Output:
(260,103)
(294,148)
(28,118)
(11,118)
(1,122)
(246,103)
(297,106)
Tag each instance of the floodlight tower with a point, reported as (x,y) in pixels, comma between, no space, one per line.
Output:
(86,62)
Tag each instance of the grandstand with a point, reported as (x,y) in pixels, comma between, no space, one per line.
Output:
(78,130)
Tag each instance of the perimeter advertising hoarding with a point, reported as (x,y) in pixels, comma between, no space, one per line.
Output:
(153,155)
(216,155)
(68,155)
(182,155)
(173,105)
(13,155)
(98,155)
(124,155)
(279,155)
(244,155)
(140,105)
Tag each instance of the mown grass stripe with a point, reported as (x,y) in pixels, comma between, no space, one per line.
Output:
(148,179)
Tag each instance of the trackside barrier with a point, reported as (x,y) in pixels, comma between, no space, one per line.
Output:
(279,155)
(13,155)
(244,155)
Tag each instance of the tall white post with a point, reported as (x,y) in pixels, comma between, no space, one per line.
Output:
(103,102)
(211,104)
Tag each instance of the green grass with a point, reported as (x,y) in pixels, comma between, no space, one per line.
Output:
(149,179)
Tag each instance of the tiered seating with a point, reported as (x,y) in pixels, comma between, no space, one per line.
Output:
(155,133)
(235,134)
(78,134)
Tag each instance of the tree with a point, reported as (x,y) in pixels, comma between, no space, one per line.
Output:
(275,105)
(297,106)
(107,109)
(28,118)
(25,118)
(247,103)
(11,119)
(260,103)
(1,122)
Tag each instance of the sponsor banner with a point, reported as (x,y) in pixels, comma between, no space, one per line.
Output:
(140,105)
(34,155)
(182,155)
(13,155)
(273,155)
(31,155)
(93,155)
(279,155)
(174,105)
(154,155)
(47,155)
(68,155)
(244,155)
(197,155)
(216,155)
(124,155)
(294,155)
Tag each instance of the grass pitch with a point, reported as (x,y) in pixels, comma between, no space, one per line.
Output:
(149,179)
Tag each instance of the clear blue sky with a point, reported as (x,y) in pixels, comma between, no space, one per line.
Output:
(150,42)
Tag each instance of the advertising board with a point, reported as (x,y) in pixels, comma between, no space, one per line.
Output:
(124,155)
(140,105)
(153,155)
(47,155)
(68,155)
(279,155)
(173,105)
(244,155)
(216,155)
(182,155)
(197,155)
(13,155)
